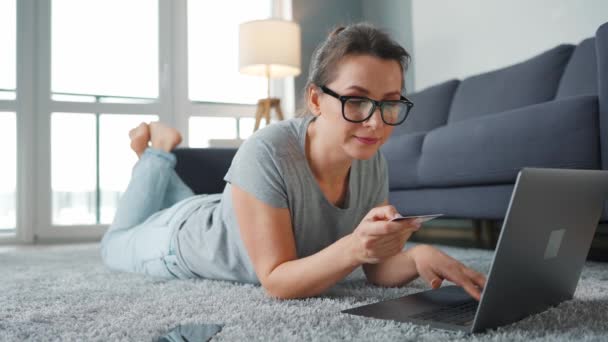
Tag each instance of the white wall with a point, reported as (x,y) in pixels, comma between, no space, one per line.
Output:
(395,16)
(456,39)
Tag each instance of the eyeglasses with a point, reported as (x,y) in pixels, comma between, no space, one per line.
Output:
(359,108)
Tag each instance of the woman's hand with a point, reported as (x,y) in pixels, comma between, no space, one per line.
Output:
(434,266)
(376,238)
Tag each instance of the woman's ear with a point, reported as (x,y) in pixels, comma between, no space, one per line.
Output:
(312,100)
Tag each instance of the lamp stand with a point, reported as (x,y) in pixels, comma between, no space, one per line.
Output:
(263,111)
(265,105)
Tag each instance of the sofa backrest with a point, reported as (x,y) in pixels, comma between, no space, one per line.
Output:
(601,45)
(580,76)
(203,169)
(431,107)
(529,82)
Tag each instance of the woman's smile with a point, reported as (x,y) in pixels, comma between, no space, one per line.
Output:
(367,140)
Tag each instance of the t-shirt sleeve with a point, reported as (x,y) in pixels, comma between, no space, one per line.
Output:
(256,170)
(382,180)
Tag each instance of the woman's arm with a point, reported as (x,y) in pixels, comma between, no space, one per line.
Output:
(431,264)
(268,237)
(427,262)
(397,270)
(312,275)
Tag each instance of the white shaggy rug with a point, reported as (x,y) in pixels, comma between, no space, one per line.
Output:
(64,293)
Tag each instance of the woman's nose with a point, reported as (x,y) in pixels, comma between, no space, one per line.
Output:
(375,120)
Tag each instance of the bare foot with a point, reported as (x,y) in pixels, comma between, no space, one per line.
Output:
(164,137)
(140,136)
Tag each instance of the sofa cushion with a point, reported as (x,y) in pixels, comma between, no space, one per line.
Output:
(431,107)
(402,153)
(481,202)
(532,81)
(580,76)
(492,149)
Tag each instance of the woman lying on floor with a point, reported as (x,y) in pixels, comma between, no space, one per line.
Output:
(306,199)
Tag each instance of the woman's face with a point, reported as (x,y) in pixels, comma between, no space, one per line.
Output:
(362,75)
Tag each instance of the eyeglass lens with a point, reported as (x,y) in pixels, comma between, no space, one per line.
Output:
(360,109)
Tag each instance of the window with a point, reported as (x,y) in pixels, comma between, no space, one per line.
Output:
(247,125)
(98,63)
(88,72)
(202,129)
(213,62)
(8,55)
(98,49)
(8,119)
(213,75)
(84,193)
(116,159)
(73,162)
(8,175)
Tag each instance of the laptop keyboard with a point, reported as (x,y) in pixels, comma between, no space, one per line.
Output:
(461,314)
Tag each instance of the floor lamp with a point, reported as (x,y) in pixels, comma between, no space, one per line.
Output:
(269,48)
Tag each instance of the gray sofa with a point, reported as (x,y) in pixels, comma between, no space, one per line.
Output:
(465,140)
(460,150)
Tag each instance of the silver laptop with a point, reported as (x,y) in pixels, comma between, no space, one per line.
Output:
(546,235)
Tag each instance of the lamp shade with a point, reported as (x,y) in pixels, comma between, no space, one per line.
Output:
(270,48)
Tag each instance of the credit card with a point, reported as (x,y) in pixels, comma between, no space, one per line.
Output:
(420,218)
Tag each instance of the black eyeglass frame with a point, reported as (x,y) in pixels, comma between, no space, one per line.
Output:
(375,104)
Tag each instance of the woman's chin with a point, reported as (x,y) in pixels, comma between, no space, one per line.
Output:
(363,153)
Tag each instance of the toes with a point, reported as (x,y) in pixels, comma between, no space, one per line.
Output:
(141,130)
(143,127)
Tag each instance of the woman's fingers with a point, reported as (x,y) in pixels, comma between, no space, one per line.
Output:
(395,237)
(389,248)
(430,277)
(381,242)
(435,266)
(457,276)
(471,289)
(477,278)
(385,212)
(385,249)
(384,228)
(392,245)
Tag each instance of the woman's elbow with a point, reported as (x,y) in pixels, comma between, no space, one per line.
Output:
(386,282)
(377,282)
(279,293)
(275,295)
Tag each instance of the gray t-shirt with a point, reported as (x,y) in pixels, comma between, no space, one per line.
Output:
(272,166)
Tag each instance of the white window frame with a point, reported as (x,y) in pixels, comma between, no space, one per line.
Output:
(23,106)
(185,108)
(33,107)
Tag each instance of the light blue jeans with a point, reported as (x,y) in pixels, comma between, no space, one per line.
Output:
(149,213)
